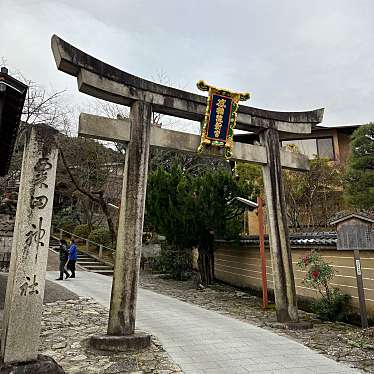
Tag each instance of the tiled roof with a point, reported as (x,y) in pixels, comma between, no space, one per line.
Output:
(341,216)
(12,97)
(317,239)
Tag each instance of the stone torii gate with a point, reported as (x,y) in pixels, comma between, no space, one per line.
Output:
(106,82)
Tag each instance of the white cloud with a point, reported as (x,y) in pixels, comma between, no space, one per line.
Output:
(291,55)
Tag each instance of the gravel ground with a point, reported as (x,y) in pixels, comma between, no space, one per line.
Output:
(67,325)
(339,341)
(67,322)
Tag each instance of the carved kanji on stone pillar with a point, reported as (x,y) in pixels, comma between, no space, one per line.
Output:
(28,264)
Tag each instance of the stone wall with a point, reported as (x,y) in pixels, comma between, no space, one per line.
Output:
(240,265)
(6,239)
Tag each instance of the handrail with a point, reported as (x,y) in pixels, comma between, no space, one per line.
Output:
(101,246)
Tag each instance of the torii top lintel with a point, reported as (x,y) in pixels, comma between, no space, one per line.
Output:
(106,82)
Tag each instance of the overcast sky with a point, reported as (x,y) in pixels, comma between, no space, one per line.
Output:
(290,54)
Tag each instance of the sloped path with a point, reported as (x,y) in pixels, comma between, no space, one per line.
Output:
(203,341)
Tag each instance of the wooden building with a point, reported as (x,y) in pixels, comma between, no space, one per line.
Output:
(333,143)
(355,231)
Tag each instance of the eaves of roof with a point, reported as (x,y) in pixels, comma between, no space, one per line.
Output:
(317,239)
(12,98)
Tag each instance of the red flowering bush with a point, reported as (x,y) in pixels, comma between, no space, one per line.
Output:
(318,273)
(333,304)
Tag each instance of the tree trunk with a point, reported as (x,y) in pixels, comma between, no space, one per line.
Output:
(87,210)
(97,197)
(104,208)
(206,258)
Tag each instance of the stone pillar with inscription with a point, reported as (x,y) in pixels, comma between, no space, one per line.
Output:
(25,288)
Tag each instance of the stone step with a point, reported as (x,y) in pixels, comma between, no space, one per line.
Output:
(98,266)
(54,242)
(105,272)
(94,265)
(86,256)
(101,271)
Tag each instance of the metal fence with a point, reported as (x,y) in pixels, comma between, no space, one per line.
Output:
(5,251)
(100,246)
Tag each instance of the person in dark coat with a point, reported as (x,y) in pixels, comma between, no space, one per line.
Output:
(63,253)
(73,256)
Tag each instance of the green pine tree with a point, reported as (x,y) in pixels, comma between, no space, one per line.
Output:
(359,186)
(191,210)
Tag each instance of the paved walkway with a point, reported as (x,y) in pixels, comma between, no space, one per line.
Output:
(203,341)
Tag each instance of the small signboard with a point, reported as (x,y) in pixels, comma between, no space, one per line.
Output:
(220,117)
(355,232)
(221,108)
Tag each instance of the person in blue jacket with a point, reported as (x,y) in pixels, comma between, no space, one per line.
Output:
(73,256)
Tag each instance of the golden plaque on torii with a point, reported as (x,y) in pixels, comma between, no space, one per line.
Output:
(220,117)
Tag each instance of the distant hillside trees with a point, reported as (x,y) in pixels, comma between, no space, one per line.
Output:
(313,196)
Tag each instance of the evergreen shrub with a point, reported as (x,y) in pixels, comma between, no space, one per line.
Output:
(82,230)
(174,262)
(100,236)
(334,308)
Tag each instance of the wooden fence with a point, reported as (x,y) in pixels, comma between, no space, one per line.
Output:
(240,265)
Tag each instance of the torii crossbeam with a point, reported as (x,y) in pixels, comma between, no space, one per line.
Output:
(106,82)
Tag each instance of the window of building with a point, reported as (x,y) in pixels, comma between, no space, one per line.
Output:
(325,148)
(320,147)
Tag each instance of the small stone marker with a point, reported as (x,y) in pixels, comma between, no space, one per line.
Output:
(25,288)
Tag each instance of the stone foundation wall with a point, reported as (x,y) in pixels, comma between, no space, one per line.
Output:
(240,265)
(5,249)
(6,239)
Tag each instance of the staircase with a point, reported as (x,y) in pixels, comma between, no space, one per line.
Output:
(90,263)
(53,242)
(87,262)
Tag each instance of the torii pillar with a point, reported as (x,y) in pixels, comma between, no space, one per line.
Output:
(281,259)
